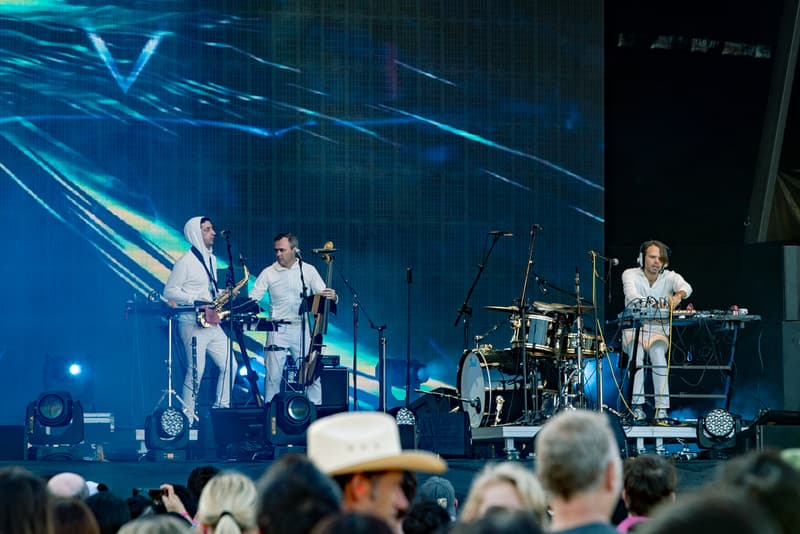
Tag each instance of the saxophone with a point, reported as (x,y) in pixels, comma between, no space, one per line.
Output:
(212,314)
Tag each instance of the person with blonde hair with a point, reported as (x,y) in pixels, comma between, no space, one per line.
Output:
(508,485)
(156,524)
(228,505)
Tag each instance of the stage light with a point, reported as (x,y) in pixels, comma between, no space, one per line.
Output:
(717,429)
(54,419)
(167,430)
(288,417)
(71,373)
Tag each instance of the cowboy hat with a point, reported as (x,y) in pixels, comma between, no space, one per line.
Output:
(363,442)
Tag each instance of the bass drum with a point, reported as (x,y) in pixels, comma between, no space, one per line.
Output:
(489,396)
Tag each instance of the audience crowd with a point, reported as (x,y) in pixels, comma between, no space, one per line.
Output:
(355,478)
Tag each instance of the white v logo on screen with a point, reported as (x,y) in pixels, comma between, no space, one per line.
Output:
(144,56)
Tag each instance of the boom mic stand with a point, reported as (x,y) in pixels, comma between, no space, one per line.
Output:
(465,311)
(523,327)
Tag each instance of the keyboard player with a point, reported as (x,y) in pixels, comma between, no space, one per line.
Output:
(651,285)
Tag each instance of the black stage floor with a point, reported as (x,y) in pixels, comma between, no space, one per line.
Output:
(123,477)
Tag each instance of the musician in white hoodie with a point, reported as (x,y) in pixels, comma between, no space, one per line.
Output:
(194,278)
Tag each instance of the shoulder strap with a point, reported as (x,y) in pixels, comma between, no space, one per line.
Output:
(211,279)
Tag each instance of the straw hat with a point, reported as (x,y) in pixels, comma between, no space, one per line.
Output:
(362,442)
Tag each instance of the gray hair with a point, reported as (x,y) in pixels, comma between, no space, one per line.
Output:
(573,450)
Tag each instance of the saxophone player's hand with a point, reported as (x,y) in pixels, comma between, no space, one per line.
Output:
(224,293)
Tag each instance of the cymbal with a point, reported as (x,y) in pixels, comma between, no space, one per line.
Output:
(507,309)
(555,307)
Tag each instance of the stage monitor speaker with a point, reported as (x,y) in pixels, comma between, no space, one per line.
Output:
(446,434)
(238,425)
(335,387)
(433,402)
(777,429)
(12,442)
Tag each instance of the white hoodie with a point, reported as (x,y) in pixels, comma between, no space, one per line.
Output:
(188,282)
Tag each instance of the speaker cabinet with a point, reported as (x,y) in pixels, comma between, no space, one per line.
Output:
(12,442)
(238,425)
(777,429)
(446,434)
(335,387)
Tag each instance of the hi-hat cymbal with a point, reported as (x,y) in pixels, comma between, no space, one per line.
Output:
(556,307)
(507,309)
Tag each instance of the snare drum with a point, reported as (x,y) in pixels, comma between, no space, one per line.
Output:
(489,395)
(542,335)
(589,347)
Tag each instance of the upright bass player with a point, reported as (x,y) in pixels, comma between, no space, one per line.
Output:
(287,281)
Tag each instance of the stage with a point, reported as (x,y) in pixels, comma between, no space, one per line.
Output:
(123,477)
(640,439)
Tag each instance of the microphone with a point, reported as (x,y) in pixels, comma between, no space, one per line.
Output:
(226,233)
(297,254)
(613,261)
(324,250)
(501,234)
(537,227)
(542,285)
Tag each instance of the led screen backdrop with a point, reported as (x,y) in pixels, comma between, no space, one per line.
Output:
(401,131)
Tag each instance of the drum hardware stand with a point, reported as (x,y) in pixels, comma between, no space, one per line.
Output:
(465,311)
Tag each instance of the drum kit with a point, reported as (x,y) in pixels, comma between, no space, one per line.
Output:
(493,382)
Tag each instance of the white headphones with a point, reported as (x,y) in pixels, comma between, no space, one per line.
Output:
(665,251)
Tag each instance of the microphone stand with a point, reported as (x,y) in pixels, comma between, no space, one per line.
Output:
(304,312)
(230,281)
(579,346)
(356,305)
(465,310)
(523,327)
(408,336)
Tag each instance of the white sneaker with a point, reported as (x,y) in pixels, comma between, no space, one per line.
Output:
(661,414)
(638,414)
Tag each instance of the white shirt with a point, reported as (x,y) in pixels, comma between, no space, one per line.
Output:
(639,293)
(637,287)
(285,288)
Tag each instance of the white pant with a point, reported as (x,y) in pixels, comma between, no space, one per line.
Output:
(214,342)
(287,339)
(658,358)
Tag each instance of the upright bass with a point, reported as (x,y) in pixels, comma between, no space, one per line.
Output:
(311,367)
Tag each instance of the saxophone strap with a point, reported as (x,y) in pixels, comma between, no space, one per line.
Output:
(211,278)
